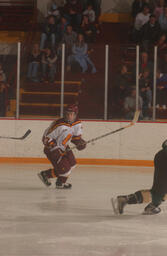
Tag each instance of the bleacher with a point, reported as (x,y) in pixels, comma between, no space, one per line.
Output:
(44,99)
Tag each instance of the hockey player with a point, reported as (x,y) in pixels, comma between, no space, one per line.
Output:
(55,139)
(156,195)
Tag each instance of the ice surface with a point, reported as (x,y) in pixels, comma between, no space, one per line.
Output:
(40,221)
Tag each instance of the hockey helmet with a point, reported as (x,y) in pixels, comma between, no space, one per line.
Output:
(164,145)
(71,113)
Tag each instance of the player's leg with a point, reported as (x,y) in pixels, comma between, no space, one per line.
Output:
(46,175)
(139,197)
(64,168)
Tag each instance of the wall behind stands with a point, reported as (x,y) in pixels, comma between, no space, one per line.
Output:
(116,6)
(112,6)
(139,142)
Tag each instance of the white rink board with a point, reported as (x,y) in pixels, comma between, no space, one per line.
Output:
(139,142)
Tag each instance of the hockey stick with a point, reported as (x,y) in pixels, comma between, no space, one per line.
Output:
(135,119)
(17,138)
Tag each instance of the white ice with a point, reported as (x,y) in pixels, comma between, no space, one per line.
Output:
(40,221)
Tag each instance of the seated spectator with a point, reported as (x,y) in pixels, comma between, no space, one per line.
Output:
(150,32)
(3,96)
(130,105)
(61,29)
(162,63)
(49,59)
(141,18)
(88,29)
(145,83)
(80,55)
(163,20)
(151,4)
(161,94)
(54,11)
(159,8)
(161,44)
(73,12)
(137,7)
(2,73)
(69,39)
(48,33)
(96,7)
(122,84)
(34,60)
(90,13)
(144,63)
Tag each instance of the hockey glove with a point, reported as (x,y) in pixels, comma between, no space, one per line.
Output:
(81,144)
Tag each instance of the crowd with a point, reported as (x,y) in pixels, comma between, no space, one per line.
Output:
(149,28)
(72,23)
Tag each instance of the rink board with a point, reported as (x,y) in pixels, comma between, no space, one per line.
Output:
(135,145)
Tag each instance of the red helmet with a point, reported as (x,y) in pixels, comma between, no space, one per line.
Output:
(72,108)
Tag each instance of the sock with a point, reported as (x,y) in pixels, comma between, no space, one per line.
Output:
(135,198)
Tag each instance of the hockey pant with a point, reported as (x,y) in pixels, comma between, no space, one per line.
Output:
(62,163)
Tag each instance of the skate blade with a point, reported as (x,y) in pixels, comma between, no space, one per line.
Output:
(113,203)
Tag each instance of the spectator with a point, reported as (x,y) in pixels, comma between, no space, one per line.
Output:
(151,4)
(137,7)
(150,32)
(2,73)
(54,11)
(61,29)
(130,105)
(90,13)
(49,59)
(3,96)
(122,85)
(162,65)
(73,12)
(69,39)
(145,83)
(141,18)
(97,7)
(161,83)
(48,33)
(88,30)
(161,44)
(163,20)
(80,55)
(159,8)
(34,60)
(144,63)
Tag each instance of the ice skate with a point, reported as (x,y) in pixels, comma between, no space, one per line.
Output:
(60,185)
(118,204)
(151,209)
(44,178)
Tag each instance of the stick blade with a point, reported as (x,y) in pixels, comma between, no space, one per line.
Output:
(136,116)
(26,134)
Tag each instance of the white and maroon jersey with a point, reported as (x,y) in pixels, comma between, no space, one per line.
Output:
(62,132)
